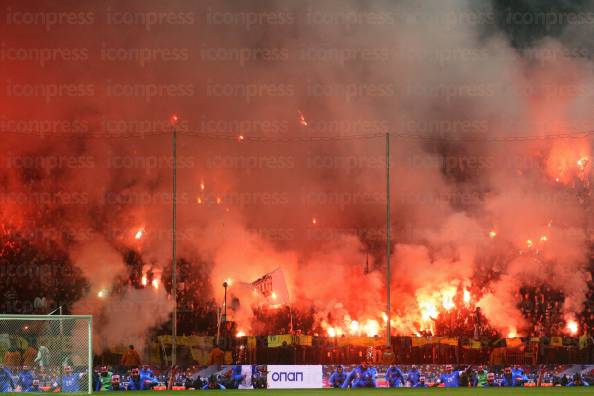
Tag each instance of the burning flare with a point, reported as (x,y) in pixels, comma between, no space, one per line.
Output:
(302,120)
(572,327)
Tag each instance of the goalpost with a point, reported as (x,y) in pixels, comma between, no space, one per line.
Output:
(47,352)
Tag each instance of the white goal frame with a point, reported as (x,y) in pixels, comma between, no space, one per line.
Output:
(89,322)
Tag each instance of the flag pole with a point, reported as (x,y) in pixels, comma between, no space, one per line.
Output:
(173,248)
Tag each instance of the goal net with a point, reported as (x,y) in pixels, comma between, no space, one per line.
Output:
(46,353)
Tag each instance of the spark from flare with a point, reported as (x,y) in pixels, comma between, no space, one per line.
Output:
(155,284)
(199,200)
(529,243)
(314,220)
(102,293)
(240,138)
(302,120)
(582,162)
(202,185)
(138,234)
(240,333)
(492,234)
(144,280)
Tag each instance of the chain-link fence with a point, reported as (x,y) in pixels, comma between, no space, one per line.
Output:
(46,353)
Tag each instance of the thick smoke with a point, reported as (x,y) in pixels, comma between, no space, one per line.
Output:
(449,73)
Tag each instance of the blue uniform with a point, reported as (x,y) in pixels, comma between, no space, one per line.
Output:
(451,380)
(138,384)
(6,381)
(413,376)
(360,378)
(237,374)
(394,377)
(337,379)
(69,382)
(26,380)
(513,380)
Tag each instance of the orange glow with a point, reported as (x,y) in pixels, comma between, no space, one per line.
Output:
(273,295)
(314,220)
(229,281)
(219,200)
(173,119)
(371,328)
(240,333)
(240,137)
(354,327)
(447,298)
(492,234)
(466,296)
(529,243)
(544,238)
(144,280)
(155,284)
(331,332)
(138,234)
(572,327)
(199,201)
(202,185)
(512,333)
(567,160)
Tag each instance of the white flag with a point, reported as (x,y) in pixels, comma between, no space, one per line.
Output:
(272,287)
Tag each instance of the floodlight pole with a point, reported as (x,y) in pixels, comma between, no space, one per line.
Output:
(388,274)
(174,265)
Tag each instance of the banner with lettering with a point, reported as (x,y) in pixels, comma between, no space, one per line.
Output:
(294,377)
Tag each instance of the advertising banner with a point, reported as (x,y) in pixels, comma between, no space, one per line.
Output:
(294,377)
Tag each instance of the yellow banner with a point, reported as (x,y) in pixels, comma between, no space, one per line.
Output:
(419,341)
(305,340)
(449,341)
(277,340)
(251,342)
(557,341)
